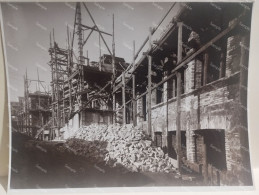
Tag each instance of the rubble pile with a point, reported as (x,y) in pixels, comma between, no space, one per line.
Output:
(122,145)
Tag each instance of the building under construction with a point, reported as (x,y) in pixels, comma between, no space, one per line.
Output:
(187,91)
(31,113)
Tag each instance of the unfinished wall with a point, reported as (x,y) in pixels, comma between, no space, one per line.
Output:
(95,116)
(215,106)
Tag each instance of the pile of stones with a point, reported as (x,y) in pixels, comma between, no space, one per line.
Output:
(126,146)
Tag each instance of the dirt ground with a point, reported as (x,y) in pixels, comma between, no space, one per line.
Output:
(41,164)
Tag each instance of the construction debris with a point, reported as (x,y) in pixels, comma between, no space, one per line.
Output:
(121,145)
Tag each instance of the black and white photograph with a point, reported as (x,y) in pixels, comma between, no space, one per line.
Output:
(127,94)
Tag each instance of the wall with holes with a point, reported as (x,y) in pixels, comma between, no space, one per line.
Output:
(215,105)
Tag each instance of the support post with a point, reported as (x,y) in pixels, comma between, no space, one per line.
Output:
(178,98)
(134,90)
(174,87)
(100,53)
(149,84)
(57,89)
(123,98)
(80,35)
(113,73)
(180,42)
(80,50)
(69,60)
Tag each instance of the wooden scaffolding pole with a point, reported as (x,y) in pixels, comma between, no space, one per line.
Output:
(80,34)
(149,84)
(123,99)
(153,31)
(113,72)
(134,90)
(69,64)
(178,98)
(57,98)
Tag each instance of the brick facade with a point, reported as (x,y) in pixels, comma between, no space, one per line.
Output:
(215,106)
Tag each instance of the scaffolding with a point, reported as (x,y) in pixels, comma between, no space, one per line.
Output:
(59,63)
(34,108)
(76,83)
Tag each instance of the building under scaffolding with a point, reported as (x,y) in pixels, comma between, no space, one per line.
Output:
(187,91)
(80,87)
(32,112)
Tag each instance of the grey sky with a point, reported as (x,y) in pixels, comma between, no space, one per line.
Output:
(27,27)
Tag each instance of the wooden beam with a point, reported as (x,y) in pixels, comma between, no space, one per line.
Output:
(178,99)
(153,31)
(88,37)
(97,28)
(113,72)
(94,29)
(192,56)
(123,99)
(180,42)
(134,90)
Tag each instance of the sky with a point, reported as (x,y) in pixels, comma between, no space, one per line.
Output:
(27,27)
